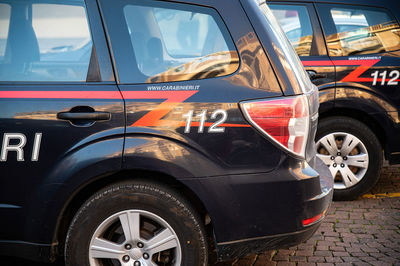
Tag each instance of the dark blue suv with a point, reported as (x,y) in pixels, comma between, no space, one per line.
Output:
(351,50)
(145,132)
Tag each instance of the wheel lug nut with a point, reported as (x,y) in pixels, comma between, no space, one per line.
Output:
(140,245)
(125,258)
(334,165)
(145,256)
(136,263)
(344,158)
(332,158)
(128,246)
(342,165)
(338,154)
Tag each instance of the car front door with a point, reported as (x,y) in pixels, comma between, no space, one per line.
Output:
(57,95)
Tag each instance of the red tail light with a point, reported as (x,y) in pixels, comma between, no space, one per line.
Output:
(284,120)
(312,220)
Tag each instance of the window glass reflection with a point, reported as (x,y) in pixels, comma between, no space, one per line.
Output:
(295,22)
(172,44)
(44,42)
(362,31)
(5,13)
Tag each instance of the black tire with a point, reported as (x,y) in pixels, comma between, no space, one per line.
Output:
(358,129)
(139,196)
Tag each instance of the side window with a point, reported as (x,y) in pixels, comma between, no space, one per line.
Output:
(295,22)
(360,30)
(45,42)
(174,42)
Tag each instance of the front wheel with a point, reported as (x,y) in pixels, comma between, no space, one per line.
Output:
(353,154)
(136,224)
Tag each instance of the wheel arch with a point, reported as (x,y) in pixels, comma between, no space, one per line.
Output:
(361,116)
(85,191)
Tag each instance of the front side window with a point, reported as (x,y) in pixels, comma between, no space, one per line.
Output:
(173,42)
(295,22)
(45,42)
(360,30)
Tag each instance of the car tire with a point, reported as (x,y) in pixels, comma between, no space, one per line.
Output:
(107,226)
(353,154)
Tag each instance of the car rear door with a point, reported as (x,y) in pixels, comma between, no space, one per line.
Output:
(182,74)
(300,23)
(363,43)
(57,95)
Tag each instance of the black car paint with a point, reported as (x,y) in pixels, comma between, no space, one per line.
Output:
(376,106)
(250,187)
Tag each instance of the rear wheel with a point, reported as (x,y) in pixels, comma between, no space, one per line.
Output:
(136,224)
(353,154)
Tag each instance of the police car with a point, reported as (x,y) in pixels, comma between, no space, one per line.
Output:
(351,50)
(144,132)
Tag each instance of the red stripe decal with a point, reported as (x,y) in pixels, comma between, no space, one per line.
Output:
(152,118)
(60,94)
(318,63)
(353,76)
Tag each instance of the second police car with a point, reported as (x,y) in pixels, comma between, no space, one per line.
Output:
(351,50)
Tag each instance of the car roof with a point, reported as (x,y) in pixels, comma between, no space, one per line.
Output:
(383,3)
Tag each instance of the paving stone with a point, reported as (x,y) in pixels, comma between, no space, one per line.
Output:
(304,253)
(333,259)
(323,253)
(350,259)
(335,248)
(316,259)
(340,254)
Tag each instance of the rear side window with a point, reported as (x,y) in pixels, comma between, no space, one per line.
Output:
(360,30)
(174,42)
(44,42)
(295,22)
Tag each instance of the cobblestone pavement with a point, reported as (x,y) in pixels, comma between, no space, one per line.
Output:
(361,232)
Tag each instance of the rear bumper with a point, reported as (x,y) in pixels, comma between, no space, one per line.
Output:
(241,248)
(257,212)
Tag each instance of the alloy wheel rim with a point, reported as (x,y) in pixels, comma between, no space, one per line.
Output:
(346,156)
(134,238)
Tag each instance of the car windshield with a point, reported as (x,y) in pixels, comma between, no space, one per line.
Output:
(288,52)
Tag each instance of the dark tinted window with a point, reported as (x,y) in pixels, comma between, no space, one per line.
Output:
(360,30)
(295,22)
(173,42)
(44,42)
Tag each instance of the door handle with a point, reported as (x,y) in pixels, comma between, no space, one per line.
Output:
(84,115)
(314,75)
